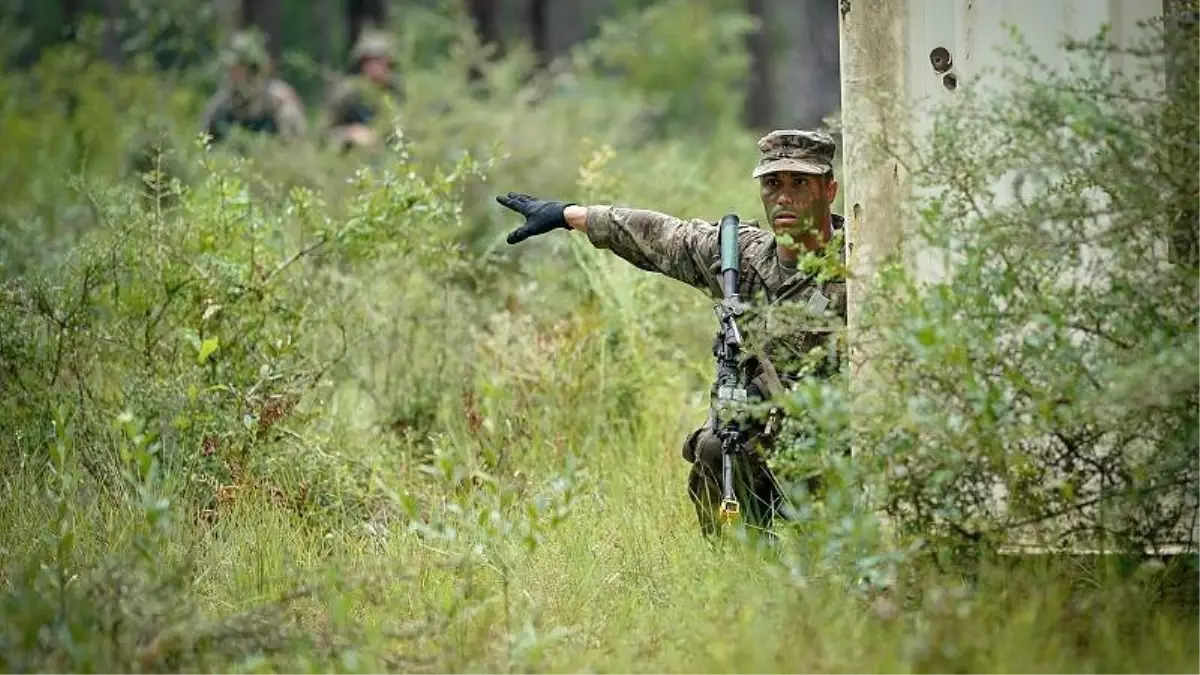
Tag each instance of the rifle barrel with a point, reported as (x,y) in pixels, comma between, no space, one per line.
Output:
(730,255)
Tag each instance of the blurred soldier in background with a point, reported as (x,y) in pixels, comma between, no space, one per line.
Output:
(358,102)
(250,99)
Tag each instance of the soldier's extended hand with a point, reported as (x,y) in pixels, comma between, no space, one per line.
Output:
(541,216)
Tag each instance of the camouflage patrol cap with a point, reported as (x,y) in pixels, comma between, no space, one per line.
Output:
(246,48)
(372,42)
(795,150)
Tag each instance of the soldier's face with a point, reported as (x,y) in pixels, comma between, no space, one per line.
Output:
(244,80)
(239,75)
(375,68)
(796,203)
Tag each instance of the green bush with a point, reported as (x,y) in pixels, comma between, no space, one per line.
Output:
(1042,390)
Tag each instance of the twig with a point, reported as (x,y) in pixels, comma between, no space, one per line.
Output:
(288,263)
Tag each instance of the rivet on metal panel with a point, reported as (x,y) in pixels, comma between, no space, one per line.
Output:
(940,59)
(950,81)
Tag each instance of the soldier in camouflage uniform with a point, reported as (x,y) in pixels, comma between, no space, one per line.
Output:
(791,279)
(250,99)
(357,101)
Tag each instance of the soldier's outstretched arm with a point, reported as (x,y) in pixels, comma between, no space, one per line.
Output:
(653,241)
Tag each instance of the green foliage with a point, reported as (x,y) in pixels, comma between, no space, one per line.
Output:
(83,120)
(1041,390)
(687,57)
(278,409)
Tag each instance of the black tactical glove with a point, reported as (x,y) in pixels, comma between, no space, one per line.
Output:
(541,216)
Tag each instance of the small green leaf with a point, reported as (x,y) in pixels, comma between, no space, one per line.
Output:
(207,348)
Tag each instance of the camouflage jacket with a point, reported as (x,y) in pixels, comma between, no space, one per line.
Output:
(794,316)
(357,100)
(273,109)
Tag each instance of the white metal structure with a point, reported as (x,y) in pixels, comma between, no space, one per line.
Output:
(902,58)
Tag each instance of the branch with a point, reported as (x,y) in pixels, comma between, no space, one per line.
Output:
(172,292)
(1154,489)
(288,263)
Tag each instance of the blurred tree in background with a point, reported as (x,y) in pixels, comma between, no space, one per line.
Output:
(793,45)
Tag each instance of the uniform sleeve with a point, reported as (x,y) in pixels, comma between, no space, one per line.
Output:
(346,106)
(681,249)
(333,105)
(396,87)
(213,120)
(289,111)
(685,250)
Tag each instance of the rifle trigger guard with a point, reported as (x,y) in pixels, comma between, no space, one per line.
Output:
(729,509)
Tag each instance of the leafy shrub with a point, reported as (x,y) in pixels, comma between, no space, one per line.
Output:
(1042,389)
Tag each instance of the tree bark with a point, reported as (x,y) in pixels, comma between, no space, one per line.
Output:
(760,101)
(486,21)
(807,66)
(361,13)
(267,16)
(113,10)
(487,30)
(538,29)
(326,15)
(70,18)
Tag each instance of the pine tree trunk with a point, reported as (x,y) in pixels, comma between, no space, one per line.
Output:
(267,16)
(361,13)
(487,24)
(806,78)
(760,102)
(487,29)
(70,18)
(538,29)
(326,15)
(112,39)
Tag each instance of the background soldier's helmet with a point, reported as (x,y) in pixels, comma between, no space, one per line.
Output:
(373,43)
(795,150)
(246,48)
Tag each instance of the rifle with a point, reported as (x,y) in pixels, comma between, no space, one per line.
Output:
(729,395)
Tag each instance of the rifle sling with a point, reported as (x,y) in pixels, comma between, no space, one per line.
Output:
(789,288)
(767,379)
